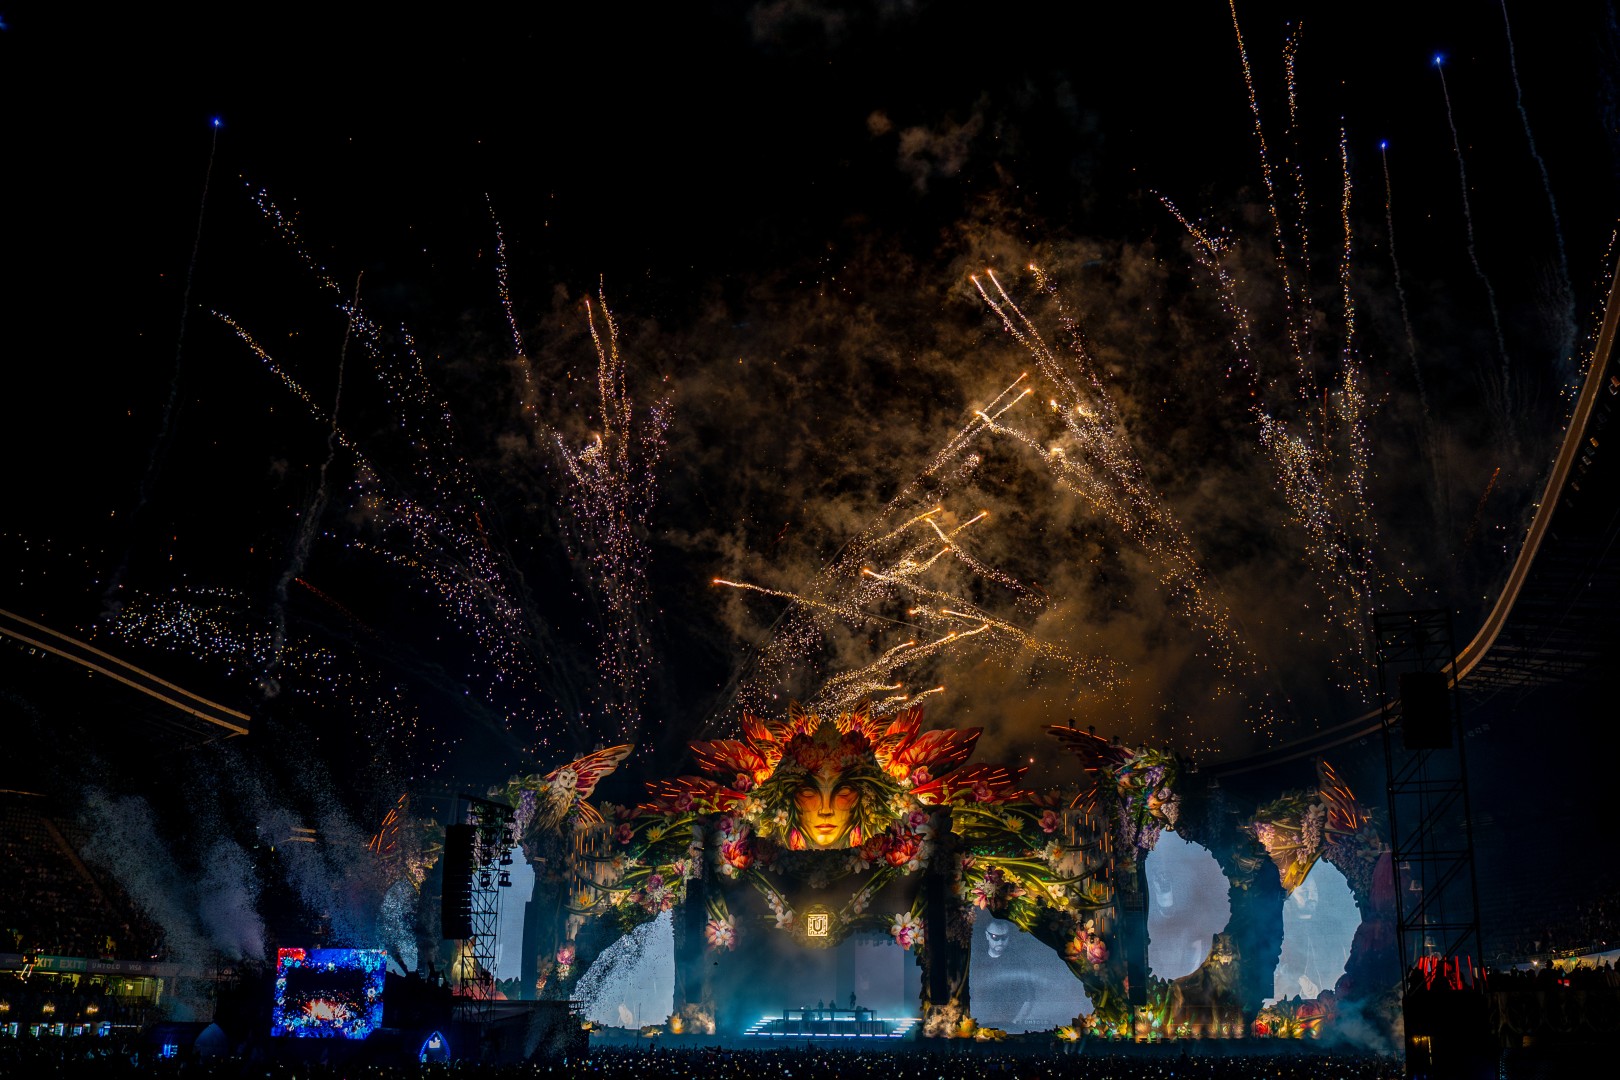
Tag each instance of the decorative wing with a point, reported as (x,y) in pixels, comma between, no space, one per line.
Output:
(591,768)
(755,730)
(688,793)
(984,783)
(1099,757)
(1344,814)
(939,750)
(887,742)
(730,757)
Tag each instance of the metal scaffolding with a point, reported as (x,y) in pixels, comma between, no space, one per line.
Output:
(1431,831)
(492,846)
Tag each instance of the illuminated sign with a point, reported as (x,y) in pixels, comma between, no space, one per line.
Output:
(434,1048)
(817,923)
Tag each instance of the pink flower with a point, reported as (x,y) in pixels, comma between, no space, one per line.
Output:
(906,930)
(565,955)
(902,849)
(683,801)
(726,824)
(920,775)
(624,833)
(1096,951)
(981,791)
(917,819)
(1050,821)
(737,853)
(744,782)
(721,933)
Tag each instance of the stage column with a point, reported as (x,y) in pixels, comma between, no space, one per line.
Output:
(1131,880)
(691,968)
(944,962)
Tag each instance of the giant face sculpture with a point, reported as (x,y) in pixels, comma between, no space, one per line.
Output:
(824,807)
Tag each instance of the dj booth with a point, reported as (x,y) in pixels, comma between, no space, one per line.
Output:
(818,1022)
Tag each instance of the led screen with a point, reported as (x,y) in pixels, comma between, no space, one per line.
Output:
(1187,905)
(1319,923)
(1018,984)
(328,993)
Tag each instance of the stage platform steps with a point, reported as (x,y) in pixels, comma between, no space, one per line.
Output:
(830,1024)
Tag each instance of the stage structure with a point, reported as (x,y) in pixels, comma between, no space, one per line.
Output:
(488,836)
(1432,837)
(1431,834)
(809,833)
(854,852)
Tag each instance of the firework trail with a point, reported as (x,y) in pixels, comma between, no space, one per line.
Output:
(1442,500)
(1284,268)
(1096,461)
(1505,405)
(1312,426)
(611,488)
(1400,287)
(1296,171)
(116,582)
(1322,485)
(900,564)
(1566,288)
(938,621)
(503,279)
(307,526)
(429,516)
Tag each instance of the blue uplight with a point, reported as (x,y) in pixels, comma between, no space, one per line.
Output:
(1439,58)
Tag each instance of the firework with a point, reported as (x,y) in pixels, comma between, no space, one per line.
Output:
(909,571)
(611,488)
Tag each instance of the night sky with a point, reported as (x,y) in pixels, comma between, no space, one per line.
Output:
(782,203)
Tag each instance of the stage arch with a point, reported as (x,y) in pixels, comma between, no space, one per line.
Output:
(1320,918)
(1188,904)
(1018,983)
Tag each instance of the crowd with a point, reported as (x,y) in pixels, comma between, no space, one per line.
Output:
(1592,925)
(44,999)
(1547,978)
(51,903)
(64,1061)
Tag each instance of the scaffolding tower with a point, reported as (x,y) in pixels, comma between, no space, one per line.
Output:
(491,861)
(1431,831)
